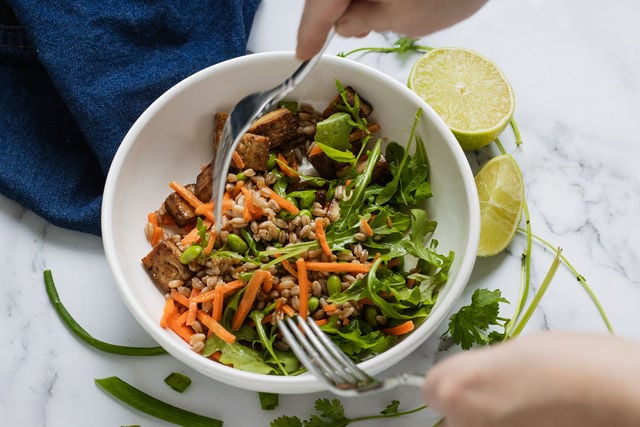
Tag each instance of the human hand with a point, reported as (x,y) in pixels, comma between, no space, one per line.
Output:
(356,18)
(547,379)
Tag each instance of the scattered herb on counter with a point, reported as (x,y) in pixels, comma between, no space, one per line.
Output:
(178,381)
(268,401)
(402,45)
(140,400)
(81,333)
(330,413)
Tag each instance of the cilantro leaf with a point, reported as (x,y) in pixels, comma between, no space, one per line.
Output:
(286,421)
(471,323)
(392,408)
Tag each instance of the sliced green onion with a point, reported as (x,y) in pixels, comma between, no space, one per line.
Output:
(81,333)
(268,401)
(178,381)
(141,401)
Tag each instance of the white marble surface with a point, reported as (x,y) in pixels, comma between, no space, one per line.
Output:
(575,69)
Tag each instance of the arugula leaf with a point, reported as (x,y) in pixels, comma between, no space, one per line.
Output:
(342,156)
(470,324)
(238,355)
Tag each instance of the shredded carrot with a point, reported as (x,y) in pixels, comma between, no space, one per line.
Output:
(237,160)
(267,285)
(304,286)
(212,241)
(167,220)
(218,304)
(216,327)
(182,318)
(345,321)
(288,310)
(314,151)
(156,236)
(338,267)
(284,166)
(179,298)
(287,266)
(191,199)
(249,297)
(169,310)
(193,307)
(248,203)
(190,238)
(216,356)
(330,308)
(229,287)
(176,324)
(321,236)
(321,322)
(366,228)
(401,329)
(227,200)
(282,202)
(389,222)
(359,134)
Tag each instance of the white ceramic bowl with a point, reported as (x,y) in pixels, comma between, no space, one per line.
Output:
(172,139)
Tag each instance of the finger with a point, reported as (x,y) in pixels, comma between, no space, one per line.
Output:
(318,17)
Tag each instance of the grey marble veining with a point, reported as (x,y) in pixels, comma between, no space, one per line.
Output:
(575,69)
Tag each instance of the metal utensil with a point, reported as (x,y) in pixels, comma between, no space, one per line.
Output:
(321,356)
(247,111)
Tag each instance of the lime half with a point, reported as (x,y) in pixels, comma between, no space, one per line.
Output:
(501,193)
(468,91)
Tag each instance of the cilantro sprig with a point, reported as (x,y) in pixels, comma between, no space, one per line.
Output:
(402,45)
(330,413)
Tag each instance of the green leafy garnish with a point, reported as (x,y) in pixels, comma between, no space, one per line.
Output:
(178,381)
(402,45)
(268,401)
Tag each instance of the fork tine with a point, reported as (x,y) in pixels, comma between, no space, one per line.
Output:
(349,371)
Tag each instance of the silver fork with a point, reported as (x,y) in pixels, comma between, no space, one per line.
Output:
(324,358)
(245,112)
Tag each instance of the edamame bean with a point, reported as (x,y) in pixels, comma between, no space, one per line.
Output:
(240,176)
(236,244)
(334,285)
(271,161)
(190,254)
(313,304)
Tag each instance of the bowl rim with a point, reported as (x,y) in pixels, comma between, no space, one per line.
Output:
(304,383)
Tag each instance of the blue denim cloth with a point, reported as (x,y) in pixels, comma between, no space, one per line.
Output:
(74,76)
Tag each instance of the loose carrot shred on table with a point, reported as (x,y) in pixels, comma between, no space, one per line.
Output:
(321,236)
(366,228)
(303,286)
(193,307)
(284,166)
(338,267)
(169,310)
(179,298)
(216,327)
(248,299)
(401,329)
(237,160)
(282,202)
(287,266)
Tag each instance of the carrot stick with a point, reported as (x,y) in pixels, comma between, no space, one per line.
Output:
(179,298)
(366,228)
(282,202)
(288,310)
(314,151)
(169,310)
(283,165)
(287,266)
(218,304)
(248,202)
(321,236)
(321,322)
(237,160)
(338,267)
(268,282)
(330,308)
(204,209)
(182,318)
(212,241)
(216,328)
(193,308)
(229,287)
(184,332)
(401,329)
(191,199)
(227,200)
(156,236)
(249,297)
(359,134)
(304,286)
(191,237)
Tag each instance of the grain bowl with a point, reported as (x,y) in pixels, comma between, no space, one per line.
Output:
(172,142)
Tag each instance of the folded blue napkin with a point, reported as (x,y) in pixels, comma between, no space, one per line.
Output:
(74,76)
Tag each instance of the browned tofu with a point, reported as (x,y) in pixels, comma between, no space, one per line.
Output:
(334,106)
(204,183)
(254,151)
(280,126)
(179,210)
(163,265)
